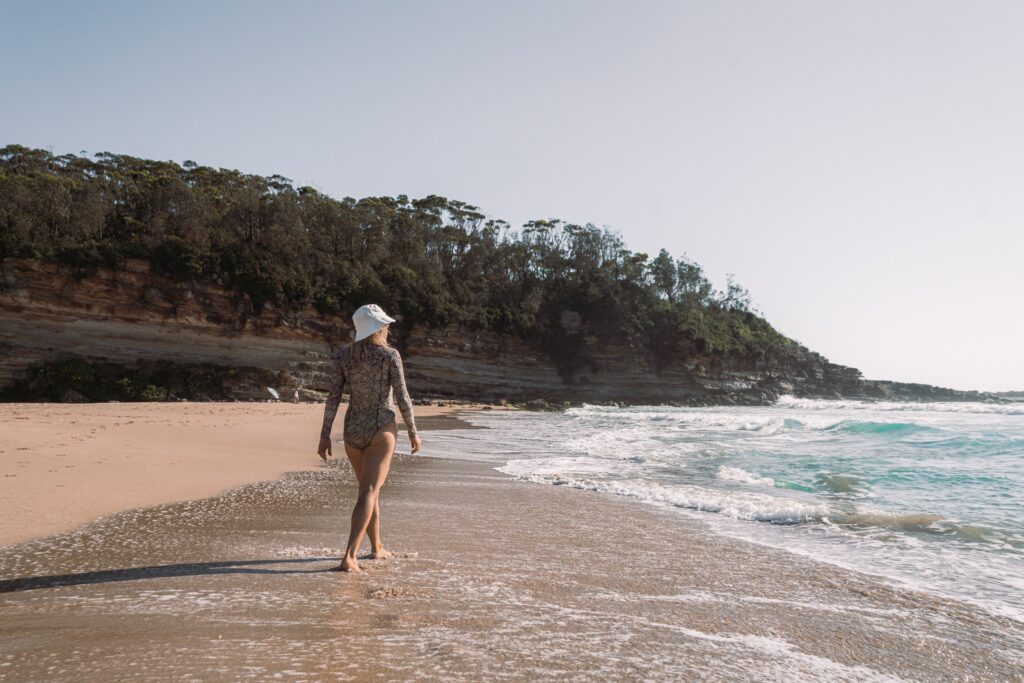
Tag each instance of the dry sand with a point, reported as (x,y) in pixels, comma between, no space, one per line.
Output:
(64,465)
(494,579)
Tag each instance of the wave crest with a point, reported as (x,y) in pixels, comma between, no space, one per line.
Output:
(788,401)
(757,507)
(727,473)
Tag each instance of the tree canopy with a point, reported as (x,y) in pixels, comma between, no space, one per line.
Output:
(433,260)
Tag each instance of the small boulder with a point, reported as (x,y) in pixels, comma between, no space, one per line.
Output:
(72,396)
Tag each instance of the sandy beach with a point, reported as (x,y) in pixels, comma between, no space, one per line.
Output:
(64,465)
(494,579)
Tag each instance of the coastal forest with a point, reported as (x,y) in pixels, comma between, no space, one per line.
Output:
(435,261)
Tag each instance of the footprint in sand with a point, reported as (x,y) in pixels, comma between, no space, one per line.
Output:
(391,592)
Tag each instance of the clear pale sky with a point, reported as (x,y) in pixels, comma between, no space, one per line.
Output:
(858,165)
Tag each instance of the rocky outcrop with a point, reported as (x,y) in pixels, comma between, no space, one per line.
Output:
(484,366)
(1011,395)
(51,312)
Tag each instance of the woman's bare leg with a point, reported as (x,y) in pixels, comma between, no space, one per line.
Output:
(377,551)
(355,457)
(374,464)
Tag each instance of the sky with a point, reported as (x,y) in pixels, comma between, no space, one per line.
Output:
(857,165)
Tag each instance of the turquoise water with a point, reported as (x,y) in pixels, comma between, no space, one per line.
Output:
(926,494)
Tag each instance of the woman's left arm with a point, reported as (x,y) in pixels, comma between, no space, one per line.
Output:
(402,398)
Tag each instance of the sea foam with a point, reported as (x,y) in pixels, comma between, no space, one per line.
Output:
(739,505)
(925,492)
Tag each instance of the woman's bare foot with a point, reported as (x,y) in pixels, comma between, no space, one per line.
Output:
(381,554)
(348,564)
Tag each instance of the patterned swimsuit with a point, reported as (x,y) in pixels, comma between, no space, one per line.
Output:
(369,381)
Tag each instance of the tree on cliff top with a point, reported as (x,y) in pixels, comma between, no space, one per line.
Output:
(432,260)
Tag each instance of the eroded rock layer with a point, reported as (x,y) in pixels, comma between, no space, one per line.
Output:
(51,312)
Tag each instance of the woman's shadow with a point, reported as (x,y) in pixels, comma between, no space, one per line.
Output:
(158,571)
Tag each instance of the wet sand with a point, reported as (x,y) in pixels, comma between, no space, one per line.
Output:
(65,465)
(495,579)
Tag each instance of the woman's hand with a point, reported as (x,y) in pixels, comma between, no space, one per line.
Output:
(325,448)
(414,443)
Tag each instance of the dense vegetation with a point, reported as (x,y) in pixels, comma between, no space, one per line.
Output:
(433,260)
(77,379)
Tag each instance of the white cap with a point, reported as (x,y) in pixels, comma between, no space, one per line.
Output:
(368,319)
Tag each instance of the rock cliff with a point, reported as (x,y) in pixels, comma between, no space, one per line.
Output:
(51,312)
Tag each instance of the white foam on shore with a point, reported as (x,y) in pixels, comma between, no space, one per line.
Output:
(886,557)
(788,401)
(739,505)
(701,596)
(565,632)
(802,460)
(311,553)
(686,419)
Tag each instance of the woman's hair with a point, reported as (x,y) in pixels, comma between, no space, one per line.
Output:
(378,338)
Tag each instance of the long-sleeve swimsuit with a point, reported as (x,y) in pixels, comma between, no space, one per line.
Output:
(370,382)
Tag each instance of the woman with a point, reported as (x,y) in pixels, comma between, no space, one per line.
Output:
(369,370)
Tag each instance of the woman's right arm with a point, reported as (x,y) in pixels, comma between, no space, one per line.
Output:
(337,386)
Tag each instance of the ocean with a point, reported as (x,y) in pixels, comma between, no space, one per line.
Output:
(927,495)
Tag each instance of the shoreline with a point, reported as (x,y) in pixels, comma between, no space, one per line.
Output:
(65,465)
(491,579)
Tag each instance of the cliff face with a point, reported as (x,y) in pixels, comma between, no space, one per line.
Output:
(462,363)
(51,312)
